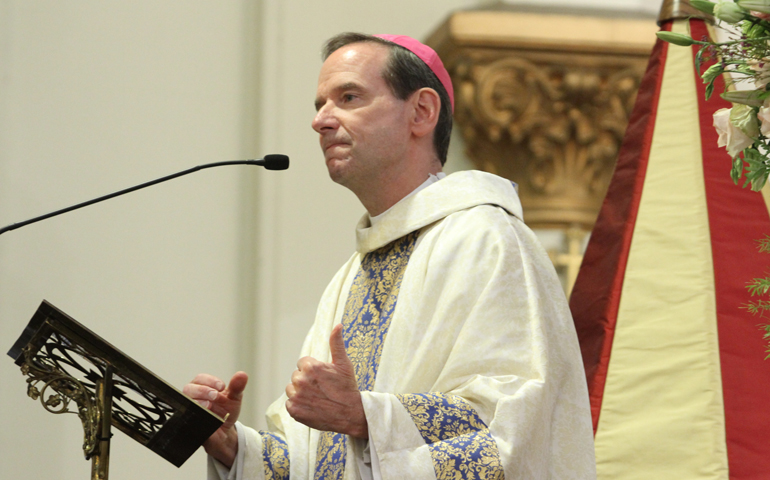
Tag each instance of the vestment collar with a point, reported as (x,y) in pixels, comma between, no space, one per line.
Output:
(458,191)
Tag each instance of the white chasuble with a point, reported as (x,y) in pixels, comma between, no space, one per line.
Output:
(464,350)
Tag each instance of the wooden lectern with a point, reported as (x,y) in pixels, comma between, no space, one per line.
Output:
(66,362)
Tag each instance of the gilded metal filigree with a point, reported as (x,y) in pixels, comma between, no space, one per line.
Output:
(71,369)
(135,409)
(65,389)
(139,409)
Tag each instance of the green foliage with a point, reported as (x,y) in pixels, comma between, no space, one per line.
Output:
(736,172)
(704,6)
(676,38)
(757,307)
(763,244)
(766,337)
(711,74)
(757,168)
(753,30)
(759,287)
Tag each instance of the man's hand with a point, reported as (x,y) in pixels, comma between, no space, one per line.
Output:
(210,392)
(325,396)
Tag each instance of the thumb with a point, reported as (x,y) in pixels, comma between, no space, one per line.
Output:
(337,348)
(237,385)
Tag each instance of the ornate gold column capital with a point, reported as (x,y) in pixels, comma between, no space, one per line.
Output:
(543,99)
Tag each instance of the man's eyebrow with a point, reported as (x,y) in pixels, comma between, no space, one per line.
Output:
(348,86)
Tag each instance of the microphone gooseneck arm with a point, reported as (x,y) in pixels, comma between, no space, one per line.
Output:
(270,162)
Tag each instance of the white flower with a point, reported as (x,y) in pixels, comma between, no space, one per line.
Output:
(764,118)
(729,12)
(756,5)
(729,135)
(744,118)
(712,72)
(754,98)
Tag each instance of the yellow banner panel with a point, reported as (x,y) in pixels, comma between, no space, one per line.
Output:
(662,412)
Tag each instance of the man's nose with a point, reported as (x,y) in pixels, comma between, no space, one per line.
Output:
(324,119)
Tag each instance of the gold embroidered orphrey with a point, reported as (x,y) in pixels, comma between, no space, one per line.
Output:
(459,441)
(368,311)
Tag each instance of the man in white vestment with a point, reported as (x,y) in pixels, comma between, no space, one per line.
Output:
(444,347)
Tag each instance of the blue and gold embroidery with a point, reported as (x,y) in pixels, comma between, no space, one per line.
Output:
(470,456)
(368,310)
(459,441)
(330,460)
(275,456)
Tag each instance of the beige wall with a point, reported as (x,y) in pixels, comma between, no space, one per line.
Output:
(97,96)
(212,272)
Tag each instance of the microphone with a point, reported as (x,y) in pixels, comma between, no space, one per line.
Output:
(270,162)
(273,162)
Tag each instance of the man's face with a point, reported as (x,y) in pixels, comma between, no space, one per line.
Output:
(363,127)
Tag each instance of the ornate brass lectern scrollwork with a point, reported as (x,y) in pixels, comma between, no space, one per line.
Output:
(66,364)
(65,390)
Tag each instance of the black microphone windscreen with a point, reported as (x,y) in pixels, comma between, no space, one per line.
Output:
(276,162)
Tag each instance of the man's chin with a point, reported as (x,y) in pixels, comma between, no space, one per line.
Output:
(337,169)
(335,163)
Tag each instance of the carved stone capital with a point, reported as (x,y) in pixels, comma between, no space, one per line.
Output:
(547,111)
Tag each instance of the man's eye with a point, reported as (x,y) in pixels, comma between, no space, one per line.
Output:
(348,97)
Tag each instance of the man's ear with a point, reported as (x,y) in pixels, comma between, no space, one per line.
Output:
(427,107)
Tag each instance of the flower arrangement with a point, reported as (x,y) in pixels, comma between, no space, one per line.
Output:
(744,129)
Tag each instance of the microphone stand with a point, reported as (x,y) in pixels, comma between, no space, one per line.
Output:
(95,404)
(271,162)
